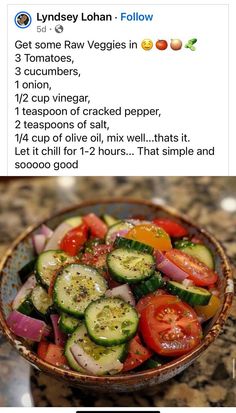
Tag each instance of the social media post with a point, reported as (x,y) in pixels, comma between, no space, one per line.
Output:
(121,90)
(153,258)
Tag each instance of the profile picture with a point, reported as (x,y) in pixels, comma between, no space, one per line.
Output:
(23,20)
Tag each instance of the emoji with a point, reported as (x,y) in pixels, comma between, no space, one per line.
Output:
(147,44)
(190,44)
(161,44)
(175,44)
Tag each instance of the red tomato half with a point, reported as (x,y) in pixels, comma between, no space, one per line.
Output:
(199,273)
(171,227)
(97,227)
(170,328)
(74,239)
(148,299)
(137,354)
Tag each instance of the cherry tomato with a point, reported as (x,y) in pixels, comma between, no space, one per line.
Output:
(97,227)
(199,273)
(148,299)
(137,354)
(208,311)
(170,328)
(151,235)
(161,44)
(173,228)
(74,239)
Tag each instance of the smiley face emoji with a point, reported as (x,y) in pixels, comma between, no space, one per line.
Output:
(147,44)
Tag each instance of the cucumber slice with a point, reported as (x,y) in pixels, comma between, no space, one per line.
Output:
(68,324)
(129,265)
(41,300)
(92,358)
(70,358)
(76,286)
(121,242)
(117,230)
(111,321)
(74,221)
(200,252)
(48,263)
(192,295)
(183,243)
(22,301)
(152,363)
(109,220)
(28,268)
(26,307)
(149,286)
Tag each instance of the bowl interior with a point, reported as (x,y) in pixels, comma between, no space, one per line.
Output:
(22,252)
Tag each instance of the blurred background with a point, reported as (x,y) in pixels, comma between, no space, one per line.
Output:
(208,201)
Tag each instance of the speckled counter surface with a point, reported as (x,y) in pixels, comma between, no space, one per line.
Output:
(210,202)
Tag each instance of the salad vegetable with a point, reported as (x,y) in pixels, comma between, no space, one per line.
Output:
(106,296)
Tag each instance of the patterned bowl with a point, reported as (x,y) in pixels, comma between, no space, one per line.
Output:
(22,251)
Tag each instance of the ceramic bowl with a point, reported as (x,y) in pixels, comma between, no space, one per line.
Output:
(22,251)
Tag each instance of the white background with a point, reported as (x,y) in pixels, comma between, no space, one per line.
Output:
(190,88)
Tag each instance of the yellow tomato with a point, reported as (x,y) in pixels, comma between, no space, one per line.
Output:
(151,235)
(208,311)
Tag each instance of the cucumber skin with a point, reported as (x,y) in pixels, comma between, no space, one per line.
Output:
(26,307)
(122,279)
(148,286)
(189,297)
(71,361)
(25,271)
(37,271)
(151,364)
(114,342)
(121,224)
(48,311)
(66,328)
(121,242)
(198,251)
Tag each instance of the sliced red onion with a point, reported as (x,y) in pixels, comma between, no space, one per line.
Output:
(169,268)
(90,365)
(24,291)
(45,230)
(119,233)
(201,319)
(25,326)
(136,222)
(47,331)
(54,242)
(187,283)
(215,292)
(59,336)
(122,291)
(39,241)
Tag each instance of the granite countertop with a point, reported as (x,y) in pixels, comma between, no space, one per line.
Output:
(209,201)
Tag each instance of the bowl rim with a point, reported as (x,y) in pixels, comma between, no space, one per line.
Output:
(130,378)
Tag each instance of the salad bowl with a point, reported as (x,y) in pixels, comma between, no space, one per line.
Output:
(22,251)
